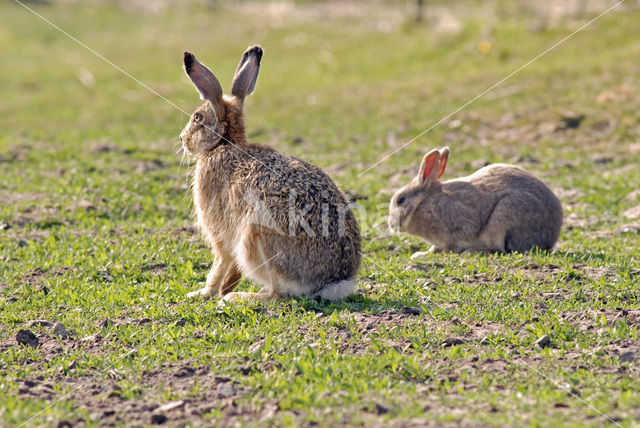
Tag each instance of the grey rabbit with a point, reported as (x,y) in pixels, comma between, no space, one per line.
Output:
(498,208)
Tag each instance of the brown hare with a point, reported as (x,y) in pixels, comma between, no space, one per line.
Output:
(498,208)
(275,218)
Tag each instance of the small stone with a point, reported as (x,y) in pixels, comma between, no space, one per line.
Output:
(570,121)
(170,406)
(543,341)
(25,337)
(452,341)
(381,408)
(60,330)
(627,357)
(411,310)
(226,390)
(91,338)
(158,419)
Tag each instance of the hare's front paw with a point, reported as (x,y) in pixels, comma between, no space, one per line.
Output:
(419,255)
(258,297)
(203,292)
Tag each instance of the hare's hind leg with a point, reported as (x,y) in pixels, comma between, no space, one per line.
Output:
(262,296)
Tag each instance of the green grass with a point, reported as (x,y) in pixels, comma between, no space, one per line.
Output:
(97,222)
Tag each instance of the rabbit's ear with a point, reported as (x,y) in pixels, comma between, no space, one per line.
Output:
(204,81)
(444,156)
(244,81)
(429,168)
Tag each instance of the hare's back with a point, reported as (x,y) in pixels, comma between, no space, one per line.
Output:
(275,172)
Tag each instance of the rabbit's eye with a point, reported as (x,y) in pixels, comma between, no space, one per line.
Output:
(400,200)
(197,117)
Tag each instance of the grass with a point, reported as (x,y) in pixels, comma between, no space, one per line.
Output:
(97,231)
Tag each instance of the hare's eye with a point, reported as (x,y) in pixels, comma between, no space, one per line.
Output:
(197,117)
(400,200)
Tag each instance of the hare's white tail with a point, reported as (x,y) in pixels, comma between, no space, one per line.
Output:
(337,290)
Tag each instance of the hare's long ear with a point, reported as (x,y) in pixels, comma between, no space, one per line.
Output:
(244,81)
(429,168)
(205,82)
(444,156)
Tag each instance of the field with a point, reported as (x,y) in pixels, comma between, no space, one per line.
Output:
(96,227)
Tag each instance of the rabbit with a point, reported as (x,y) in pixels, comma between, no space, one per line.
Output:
(277,219)
(499,208)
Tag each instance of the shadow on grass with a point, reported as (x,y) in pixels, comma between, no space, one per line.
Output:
(354,303)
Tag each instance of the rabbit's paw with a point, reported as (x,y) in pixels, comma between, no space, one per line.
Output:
(419,255)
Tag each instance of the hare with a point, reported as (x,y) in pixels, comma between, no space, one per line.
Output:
(500,208)
(275,218)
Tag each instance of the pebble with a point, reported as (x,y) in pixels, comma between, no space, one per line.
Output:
(452,341)
(411,310)
(60,330)
(25,337)
(381,408)
(170,406)
(226,390)
(543,341)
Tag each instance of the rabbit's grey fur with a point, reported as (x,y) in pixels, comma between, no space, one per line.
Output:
(498,208)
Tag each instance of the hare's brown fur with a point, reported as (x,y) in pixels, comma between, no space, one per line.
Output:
(275,218)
